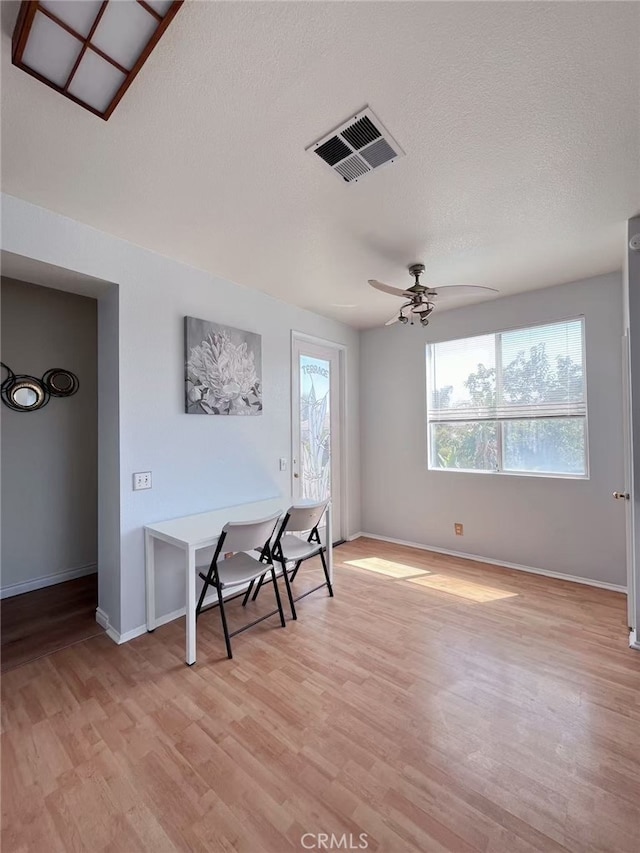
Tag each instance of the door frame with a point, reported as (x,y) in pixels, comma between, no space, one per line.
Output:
(341,525)
(631,328)
(628,479)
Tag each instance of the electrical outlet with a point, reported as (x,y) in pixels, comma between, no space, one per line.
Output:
(283,463)
(141,480)
(459,528)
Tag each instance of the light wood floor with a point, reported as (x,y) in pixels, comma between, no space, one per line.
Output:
(435,704)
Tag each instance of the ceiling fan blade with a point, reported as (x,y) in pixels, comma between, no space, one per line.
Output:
(448,291)
(393,320)
(386,288)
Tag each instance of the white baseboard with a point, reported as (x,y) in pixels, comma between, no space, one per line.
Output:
(160,620)
(128,635)
(102,619)
(517,566)
(356,536)
(634,640)
(175,614)
(48,580)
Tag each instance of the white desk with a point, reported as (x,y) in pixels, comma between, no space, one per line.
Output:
(194,532)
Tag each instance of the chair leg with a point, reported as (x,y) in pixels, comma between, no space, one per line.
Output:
(205,586)
(257,589)
(326,573)
(295,571)
(287,585)
(223,617)
(248,593)
(278,600)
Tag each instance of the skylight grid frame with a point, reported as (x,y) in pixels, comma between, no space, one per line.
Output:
(499,415)
(22,30)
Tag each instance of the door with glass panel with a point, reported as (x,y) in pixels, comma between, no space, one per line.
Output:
(316,426)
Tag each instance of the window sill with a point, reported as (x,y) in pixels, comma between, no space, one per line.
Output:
(528,474)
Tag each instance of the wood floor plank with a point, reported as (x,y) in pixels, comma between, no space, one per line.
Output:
(436,704)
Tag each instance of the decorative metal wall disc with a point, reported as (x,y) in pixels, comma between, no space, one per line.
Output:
(7,374)
(23,393)
(60,382)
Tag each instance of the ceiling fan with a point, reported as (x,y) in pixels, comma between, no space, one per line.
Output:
(421,297)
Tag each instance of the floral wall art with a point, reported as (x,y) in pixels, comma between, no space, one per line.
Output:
(223,369)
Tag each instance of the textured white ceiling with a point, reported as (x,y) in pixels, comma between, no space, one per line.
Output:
(521,123)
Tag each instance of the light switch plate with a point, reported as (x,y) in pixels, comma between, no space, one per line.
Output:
(141,480)
(283,463)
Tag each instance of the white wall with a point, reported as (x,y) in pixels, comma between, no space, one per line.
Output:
(49,457)
(569,526)
(198,463)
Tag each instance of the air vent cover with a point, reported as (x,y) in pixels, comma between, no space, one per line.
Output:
(356,148)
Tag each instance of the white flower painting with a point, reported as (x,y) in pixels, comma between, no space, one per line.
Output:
(223,369)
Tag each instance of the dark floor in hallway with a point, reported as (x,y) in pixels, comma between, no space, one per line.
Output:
(46,620)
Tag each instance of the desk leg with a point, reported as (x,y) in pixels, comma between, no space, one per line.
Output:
(150,579)
(329,543)
(191,605)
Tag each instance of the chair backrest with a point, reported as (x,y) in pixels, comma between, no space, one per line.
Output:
(248,535)
(305,516)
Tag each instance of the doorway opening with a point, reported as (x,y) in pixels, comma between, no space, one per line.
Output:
(55,531)
(49,474)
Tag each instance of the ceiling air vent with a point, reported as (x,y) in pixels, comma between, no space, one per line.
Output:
(359,146)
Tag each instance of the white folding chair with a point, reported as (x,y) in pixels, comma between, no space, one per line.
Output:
(290,551)
(241,568)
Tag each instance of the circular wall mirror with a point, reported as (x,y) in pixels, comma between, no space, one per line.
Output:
(25,394)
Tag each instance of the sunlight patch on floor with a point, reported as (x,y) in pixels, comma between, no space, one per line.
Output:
(429,580)
(461,588)
(387,567)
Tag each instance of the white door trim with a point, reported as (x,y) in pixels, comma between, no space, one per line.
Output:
(631,307)
(628,484)
(339,529)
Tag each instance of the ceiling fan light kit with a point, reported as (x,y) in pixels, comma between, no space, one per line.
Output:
(421,297)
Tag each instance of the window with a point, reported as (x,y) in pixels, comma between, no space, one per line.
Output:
(512,402)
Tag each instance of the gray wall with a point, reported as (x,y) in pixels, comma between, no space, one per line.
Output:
(49,457)
(561,525)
